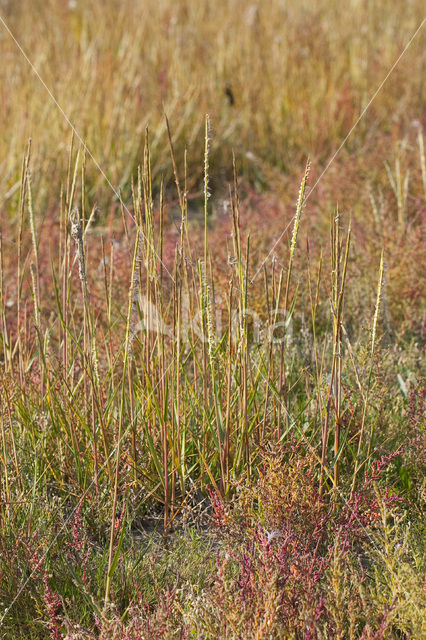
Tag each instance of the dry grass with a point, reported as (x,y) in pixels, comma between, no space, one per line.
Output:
(299,76)
(109,424)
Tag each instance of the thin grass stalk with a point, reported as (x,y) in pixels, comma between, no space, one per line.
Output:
(4,508)
(162,371)
(36,302)
(71,186)
(7,347)
(338,287)
(338,277)
(314,307)
(77,236)
(226,446)
(33,228)
(214,372)
(420,141)
(127,355)
(246,365)
(174,444)
(14,455)
(370,373)
(175,172)
(204,346)
(108,342)
(178,340)
(206,182)
(240,358)
(277,288)
(19,275)
(299,210)
(269,344)
(338,345)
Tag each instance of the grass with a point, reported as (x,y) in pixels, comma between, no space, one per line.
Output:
(207,433)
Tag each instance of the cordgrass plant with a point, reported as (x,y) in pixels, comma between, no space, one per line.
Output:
(133,413)
(212,402)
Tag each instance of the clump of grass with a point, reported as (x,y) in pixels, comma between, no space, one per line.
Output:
(131,420)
